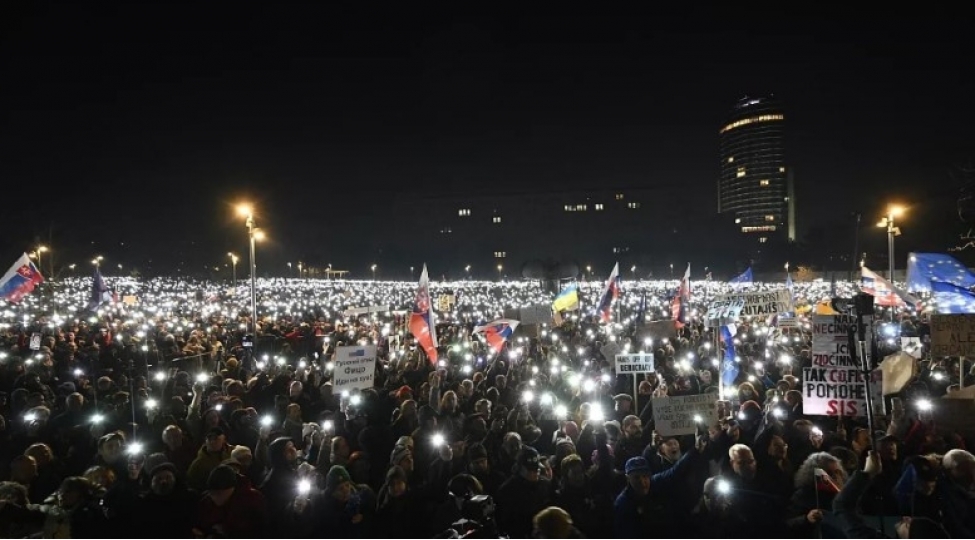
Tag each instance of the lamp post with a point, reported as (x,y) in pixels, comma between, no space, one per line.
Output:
(252,233)
(411,273)
(97,261)
(887,221)
(671,270)
(38,251)
(500,267)
(633,272)
(233,262)
(299,269)
(373,268)
(468,270)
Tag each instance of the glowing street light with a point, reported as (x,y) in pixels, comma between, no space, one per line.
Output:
(500,267)
(97,261)
(247,211)
(887,221)
(468,270)
(373,268)
(233,261)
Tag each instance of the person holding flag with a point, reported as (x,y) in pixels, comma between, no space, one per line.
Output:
(20,279)
(610,293)
(496,333)
(679,305)
(423,320)
(100,293)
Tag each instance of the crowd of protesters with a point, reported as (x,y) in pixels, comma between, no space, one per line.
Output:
(175,415)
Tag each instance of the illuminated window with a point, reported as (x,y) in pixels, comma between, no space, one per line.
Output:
(496,219)
(446,230)
(731,159)
(621,250)
(737,220)
(769,218)
(464,212)
(633,205)
(500,254)
(752,120)
(619,196)
(763,182)
(599,207)
(762,228)
(741,172)
(781,169)
(762,240)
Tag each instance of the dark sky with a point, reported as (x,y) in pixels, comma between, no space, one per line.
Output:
(142,124)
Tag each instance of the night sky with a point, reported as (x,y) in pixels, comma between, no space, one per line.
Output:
(137,127)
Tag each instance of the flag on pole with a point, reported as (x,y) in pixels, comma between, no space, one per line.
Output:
(100,293)
(825,484)
(923,268)
(884,292)
(729,367)
(20,279)
(423,324)
(745,278)
(567,300)
(678,306)
(496,333)
(610,293)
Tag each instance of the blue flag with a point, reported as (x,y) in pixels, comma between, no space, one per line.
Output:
(952,299)
(729,367)
(745,277)
(925,268)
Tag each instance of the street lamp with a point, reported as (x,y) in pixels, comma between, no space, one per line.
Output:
(499,272)
(887,221)
(233,262)
(411,273)
(299,269)
(247,212)
(373,268)
(633,272)
(38,251)
(97,261)
(671,270)
(468,270)
(588,272)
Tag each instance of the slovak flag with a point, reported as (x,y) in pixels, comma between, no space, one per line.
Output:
(497,332)
(825,484)
(20,279)
(423,320)
(610,293)
(884,293)
(678,307)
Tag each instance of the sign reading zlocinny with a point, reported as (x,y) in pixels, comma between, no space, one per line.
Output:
(674,415)
(634,363)
(355,367)
(761,303)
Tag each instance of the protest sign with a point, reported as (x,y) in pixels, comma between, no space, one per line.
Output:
(355,367)
(674,415)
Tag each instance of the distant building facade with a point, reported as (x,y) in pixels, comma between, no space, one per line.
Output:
(755,187)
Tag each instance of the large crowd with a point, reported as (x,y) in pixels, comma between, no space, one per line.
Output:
(169,412)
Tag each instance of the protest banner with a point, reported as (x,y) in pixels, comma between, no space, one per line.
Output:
(674,415)
(355,367)
(627,364)
(953,335)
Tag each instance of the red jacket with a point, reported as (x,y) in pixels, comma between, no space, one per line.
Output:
(243,516)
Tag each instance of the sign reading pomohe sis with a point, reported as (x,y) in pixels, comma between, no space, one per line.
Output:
(953,335)
(355,367)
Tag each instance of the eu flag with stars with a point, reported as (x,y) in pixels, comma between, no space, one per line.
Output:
(924,268)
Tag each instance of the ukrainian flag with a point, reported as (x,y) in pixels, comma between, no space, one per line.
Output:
(567,300)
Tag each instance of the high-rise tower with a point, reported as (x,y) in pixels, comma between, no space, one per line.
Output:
(754,185)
